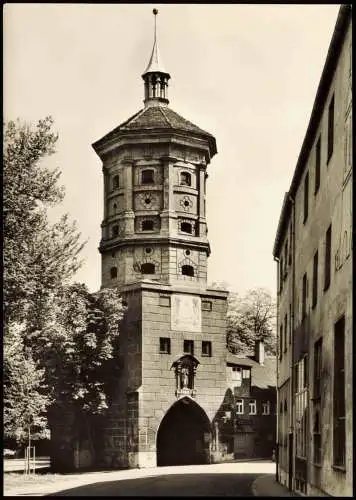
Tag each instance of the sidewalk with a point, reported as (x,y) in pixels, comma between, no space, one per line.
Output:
(267,486)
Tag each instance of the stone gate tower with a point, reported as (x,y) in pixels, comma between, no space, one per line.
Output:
(154,248)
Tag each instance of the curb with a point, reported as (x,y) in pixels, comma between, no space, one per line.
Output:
(253,486)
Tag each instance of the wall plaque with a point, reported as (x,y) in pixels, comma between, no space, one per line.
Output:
(185,313)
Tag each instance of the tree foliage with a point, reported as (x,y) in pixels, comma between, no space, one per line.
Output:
(250,318)
(25,395)
(58,338)
(38,256)
(77,343)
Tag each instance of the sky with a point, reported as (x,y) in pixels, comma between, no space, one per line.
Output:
(246,73)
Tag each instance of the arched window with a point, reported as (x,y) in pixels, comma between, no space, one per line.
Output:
(115,182)
(185,179)
(186,227)
(113,273)
(147,225)
(147,176)
(187,270)
(115,231)
(147,268)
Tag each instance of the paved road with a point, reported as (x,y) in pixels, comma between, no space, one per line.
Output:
(208,480)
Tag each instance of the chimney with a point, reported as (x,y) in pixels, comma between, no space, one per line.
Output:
(260,352)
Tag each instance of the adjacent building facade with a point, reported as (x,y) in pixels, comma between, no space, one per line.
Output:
(313,248)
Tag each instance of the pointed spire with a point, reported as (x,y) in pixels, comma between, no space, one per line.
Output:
(155,76)
(155,62)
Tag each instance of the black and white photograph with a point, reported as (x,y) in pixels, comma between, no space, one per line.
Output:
(177,250)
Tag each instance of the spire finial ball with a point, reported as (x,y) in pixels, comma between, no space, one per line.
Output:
(155,11)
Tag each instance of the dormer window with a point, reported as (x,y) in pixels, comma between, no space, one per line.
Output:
(147,225)
(186,227)
(147,268)
(188,270)
(185,179)
(116,182)
(147,176)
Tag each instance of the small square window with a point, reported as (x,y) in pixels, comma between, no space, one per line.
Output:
(164,301)
(164,345)
(188,347)
(147,176)
(266,408)
(206,348)
(252,407)
(206,305)
(239,406)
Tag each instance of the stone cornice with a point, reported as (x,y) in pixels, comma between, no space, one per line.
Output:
(174,288)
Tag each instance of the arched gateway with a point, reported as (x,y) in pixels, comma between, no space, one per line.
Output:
(184,435)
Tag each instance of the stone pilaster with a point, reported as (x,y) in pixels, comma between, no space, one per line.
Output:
(168,214)
(129,216)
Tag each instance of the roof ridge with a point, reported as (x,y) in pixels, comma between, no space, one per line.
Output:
(190,123)
(165,116)
(134,117)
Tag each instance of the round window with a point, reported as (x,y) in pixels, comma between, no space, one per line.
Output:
(187,252)
(148,250)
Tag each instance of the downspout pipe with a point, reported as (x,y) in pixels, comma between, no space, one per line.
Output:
(276,259)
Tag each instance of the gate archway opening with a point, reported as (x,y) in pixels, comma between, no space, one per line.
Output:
(184,435)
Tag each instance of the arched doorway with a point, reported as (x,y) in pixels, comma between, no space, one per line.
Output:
(184,435)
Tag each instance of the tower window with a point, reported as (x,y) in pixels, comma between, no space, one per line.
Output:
(113,272)
(188,270)
(164,345)
(185,179)
(148,268)
(206,348)
(147,225)
(188,347)
(115,182)
(147,177)
(115,231)
(186,227)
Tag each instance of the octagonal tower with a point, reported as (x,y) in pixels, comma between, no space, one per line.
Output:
(154,248)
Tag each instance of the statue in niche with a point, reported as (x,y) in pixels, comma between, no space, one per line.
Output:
(184,377)
(185,368)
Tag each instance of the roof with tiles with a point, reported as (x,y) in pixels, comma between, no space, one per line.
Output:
(262,376)
(157,118)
